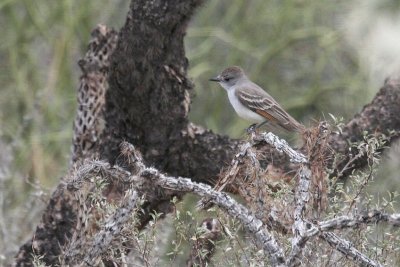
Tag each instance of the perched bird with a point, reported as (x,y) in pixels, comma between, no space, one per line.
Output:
(252,103)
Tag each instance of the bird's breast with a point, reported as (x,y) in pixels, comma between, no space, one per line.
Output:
(243,111)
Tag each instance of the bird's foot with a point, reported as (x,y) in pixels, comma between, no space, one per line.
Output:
(252,128)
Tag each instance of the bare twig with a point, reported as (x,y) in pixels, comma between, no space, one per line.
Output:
(111,228)
(299,227)
(233,170)
(246,150)
(361,187)
(302,230)
(252,224)
(79,246)
(372,217)
(282,146)
(230,175)
(234,209)
(348,249)
(94,167)
(349,164)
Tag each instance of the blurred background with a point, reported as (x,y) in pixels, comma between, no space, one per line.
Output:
(315,57)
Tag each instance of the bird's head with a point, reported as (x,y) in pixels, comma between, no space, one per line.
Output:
(229,77)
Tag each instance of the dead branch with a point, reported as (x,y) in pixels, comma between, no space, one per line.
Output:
(112,227)
(347,249)
(300,226)
(372,217)
(245,150)
(233,209)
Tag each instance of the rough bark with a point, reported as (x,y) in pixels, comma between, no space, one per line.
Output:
(147,104)
(55,228)
(148,101)
(377,118)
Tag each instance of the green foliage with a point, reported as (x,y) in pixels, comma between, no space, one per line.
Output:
(294,49)
(356,195)
(234,249)
(41,43)
(37,261)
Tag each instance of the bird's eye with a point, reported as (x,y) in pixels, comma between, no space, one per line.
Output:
(227,79)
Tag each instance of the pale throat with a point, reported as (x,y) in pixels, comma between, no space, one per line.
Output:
(225,86)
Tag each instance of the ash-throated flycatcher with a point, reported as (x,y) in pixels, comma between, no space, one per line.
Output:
(252,103)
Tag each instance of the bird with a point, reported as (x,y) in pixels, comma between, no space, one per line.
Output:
(253,103)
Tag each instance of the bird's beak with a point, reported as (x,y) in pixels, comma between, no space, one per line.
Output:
(215,79)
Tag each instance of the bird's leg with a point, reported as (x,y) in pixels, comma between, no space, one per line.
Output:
(252,128)
(262,124)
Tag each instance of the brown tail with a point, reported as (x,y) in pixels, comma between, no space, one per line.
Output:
(293,126)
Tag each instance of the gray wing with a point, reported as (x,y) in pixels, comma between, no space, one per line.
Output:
(260,102)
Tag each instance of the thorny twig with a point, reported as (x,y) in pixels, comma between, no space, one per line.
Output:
(252,224)
(348,249)
(234,209)
(246,150)
(360,189)
(302,229)
(299,226)
(112,227)
(372,217)
(282,146)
